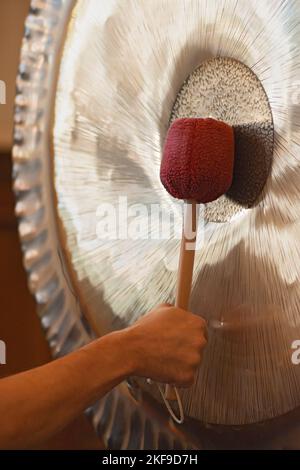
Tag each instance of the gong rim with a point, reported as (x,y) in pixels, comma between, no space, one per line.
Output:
(65,327)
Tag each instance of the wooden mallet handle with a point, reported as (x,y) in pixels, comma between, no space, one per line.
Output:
(185,267)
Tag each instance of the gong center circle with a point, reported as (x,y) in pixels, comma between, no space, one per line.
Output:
(227,90)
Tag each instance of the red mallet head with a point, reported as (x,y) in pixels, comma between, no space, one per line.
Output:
(197,161)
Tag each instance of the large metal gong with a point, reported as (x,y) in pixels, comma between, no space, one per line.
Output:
(99,82)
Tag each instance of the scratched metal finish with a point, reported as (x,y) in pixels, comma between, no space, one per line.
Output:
(123,66)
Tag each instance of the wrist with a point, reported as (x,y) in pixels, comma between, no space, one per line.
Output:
(131,350)
(121,343)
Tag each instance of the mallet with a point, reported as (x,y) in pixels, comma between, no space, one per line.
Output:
(197,166)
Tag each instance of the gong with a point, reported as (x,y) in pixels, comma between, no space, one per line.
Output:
(99,84)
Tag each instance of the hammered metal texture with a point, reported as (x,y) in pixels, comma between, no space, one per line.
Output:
(227,90)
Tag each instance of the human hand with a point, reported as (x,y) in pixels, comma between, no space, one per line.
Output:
(167,345)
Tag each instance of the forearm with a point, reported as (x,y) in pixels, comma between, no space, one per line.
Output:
(36,404)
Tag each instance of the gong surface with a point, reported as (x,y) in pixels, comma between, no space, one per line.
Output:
(123,65)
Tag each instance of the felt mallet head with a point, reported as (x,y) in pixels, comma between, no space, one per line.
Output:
(198,158)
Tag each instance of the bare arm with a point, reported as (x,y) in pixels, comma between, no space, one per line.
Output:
(165,345)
